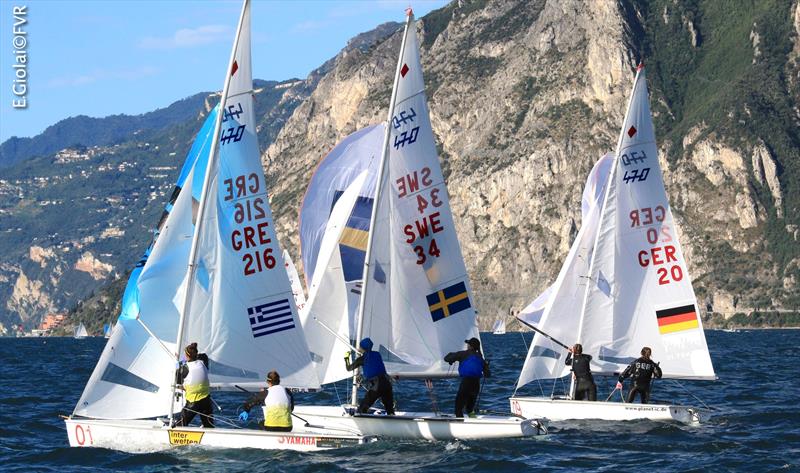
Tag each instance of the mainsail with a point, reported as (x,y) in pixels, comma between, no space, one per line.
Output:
(416,304)
(625,271)
(239,307)
(640,291)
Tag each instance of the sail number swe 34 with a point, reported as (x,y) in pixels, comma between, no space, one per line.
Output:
(427,199)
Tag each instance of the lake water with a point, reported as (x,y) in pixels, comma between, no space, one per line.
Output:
(756,425)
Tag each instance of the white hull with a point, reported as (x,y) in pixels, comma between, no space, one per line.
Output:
(422,425)
(565,409)
(140,436)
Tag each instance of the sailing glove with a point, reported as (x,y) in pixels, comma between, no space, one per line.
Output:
(347,355)
(244,416)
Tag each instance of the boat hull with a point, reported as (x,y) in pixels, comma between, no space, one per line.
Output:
(140,436)
(422,425)
(564,409)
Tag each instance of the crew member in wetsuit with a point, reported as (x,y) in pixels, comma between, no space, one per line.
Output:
(471,367)
(193,375)
(377,382)
(641,371)
(278,402)
(582,373)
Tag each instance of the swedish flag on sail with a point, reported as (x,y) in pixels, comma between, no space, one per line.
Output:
(353,242)
(448,301)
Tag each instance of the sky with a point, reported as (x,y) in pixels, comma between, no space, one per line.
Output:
(101,58)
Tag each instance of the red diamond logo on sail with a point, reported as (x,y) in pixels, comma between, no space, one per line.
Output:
(234,68)
(404,70)
(631,131)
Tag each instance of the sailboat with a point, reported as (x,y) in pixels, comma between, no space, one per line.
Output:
(215,276)
(415,300)
(624,285)
(499,326)
(107,329)
(80,331)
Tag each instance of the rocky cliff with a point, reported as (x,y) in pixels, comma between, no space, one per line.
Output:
(525,96)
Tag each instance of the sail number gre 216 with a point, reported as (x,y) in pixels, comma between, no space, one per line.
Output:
(253,238)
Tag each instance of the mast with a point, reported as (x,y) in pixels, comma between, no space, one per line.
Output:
(378,191)
(611,177)
(212,161)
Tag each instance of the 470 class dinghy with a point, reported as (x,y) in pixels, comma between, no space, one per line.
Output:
(625,284)
(415,299)
(214,276)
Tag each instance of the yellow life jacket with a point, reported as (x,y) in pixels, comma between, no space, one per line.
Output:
(278,407)
(195,384)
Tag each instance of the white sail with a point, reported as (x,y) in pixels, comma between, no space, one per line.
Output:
(132,377)
(80,331)
(417,305)
(297,286)
(240,309)
(499,327)
(640,291)
(357,152)
(560,316)
(326,320)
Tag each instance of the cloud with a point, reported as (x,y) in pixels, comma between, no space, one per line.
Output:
(310,25)
(188,37)
(97,75)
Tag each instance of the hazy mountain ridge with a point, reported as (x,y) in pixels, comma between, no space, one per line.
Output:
(524,97)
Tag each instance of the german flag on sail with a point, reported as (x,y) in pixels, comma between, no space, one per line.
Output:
(448,301)
(677,319)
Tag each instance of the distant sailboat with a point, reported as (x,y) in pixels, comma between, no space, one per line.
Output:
(215,276)
(499,327)
(107,328)
(80,331)
(625,284)
(416,303)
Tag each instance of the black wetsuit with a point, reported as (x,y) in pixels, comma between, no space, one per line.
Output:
(584,382)
(201,406)
(641,371)
(470,386)
(378,386)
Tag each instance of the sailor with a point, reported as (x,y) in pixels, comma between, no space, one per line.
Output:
(193,375)
(471,367)
(581,373)
(641,371)
(377,382)
(278,405)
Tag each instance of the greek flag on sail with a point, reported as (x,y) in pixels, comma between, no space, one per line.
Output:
(270,318)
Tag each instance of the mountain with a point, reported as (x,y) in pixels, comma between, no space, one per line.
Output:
(524,97)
